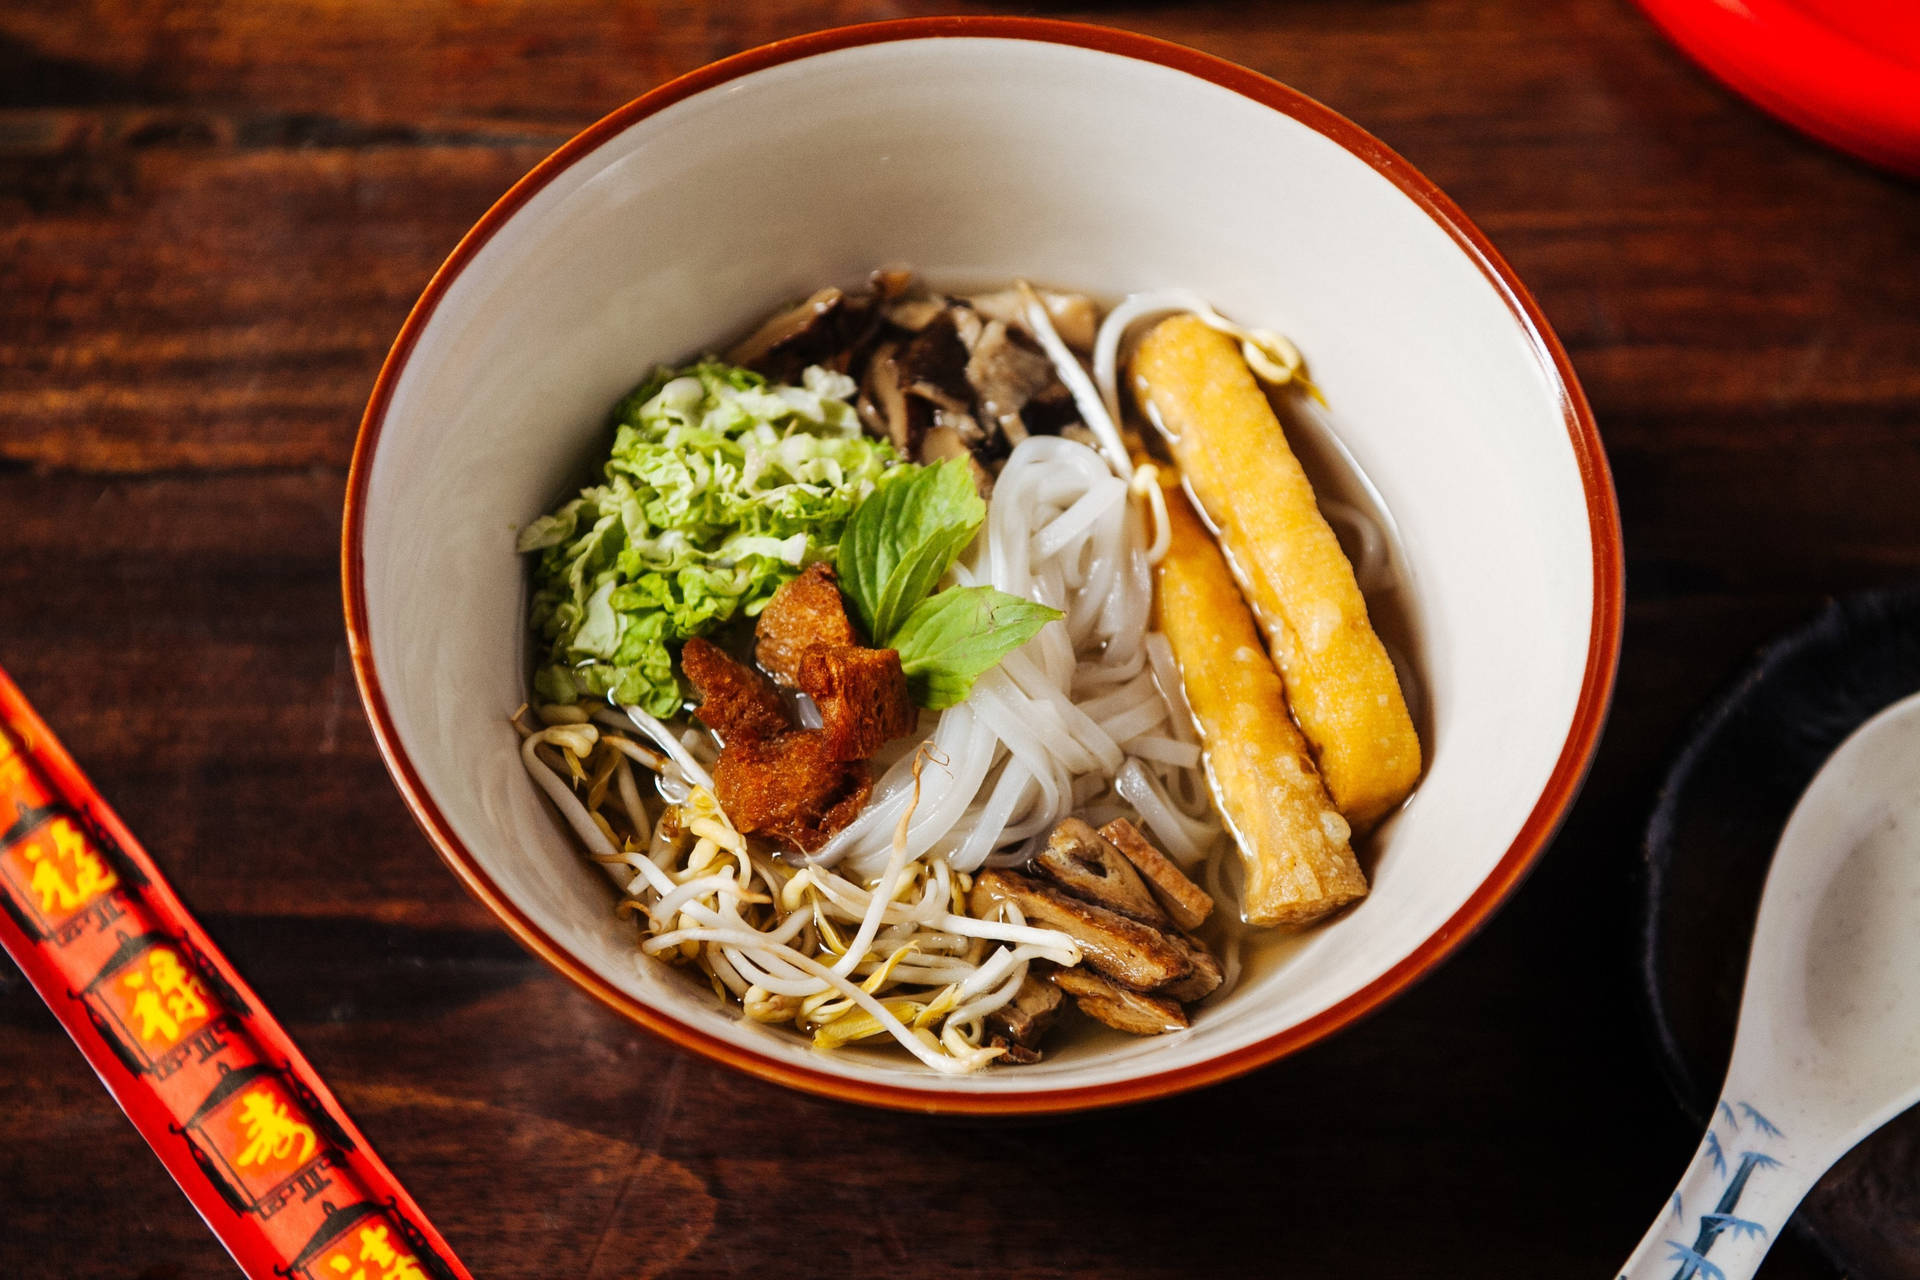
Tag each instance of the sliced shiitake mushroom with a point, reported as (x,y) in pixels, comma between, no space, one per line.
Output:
(1202,980)
(1005,375)
(1075,316)
(1082,861)
(1184,900)
(1021,1022)
(1133,1012)
(885,406)
(1131,953)
(830,328)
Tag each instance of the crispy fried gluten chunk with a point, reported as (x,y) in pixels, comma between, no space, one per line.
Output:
(1295,846)
(862,696)
(1340,682)
(790,788)
(799,786)
(803,614)
(736,701)
(806,639)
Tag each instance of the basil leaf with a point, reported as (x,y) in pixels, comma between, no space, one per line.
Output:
(902,538)
(951,639)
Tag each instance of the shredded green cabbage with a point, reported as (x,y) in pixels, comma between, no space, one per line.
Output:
(720,488)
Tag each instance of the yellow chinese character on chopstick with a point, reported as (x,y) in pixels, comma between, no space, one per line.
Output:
(167,998)
(68,875)
(375,1247)
(271,1133)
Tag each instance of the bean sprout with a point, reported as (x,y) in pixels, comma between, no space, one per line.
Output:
(739,918)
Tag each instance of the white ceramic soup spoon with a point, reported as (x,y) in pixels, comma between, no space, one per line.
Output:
(1828,1048)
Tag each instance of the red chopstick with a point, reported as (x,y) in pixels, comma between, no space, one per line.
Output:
(217,1088)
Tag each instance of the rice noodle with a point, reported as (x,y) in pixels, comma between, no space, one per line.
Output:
(1097,411)
(1186,839)
(1051,729)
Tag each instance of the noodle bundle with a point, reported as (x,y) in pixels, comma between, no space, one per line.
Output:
(1068,721)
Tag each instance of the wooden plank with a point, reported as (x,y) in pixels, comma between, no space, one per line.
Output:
(214,216)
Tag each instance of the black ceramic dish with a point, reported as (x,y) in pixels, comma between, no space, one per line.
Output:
(1707,850)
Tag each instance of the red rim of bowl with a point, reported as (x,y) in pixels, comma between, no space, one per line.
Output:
(1795,66)
(1562,785)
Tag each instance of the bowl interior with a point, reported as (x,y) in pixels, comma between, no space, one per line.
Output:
(981,159)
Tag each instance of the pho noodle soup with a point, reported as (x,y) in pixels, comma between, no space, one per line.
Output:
(921,680)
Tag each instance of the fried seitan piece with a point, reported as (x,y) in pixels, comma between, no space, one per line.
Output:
(790,788)
(803,613)
(736,701)
(807,640)
(862,696)
(771,777)
(799,786)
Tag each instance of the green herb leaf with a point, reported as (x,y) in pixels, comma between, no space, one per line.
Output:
(951,639)
(902,538)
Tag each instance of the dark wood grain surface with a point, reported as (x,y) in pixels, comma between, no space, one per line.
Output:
(214,215)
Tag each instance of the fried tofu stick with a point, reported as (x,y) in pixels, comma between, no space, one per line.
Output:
(1294,844)
(1339,680)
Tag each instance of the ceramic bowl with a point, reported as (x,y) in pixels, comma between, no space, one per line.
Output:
(980,149)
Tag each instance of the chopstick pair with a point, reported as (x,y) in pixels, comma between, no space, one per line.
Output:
(213,1083)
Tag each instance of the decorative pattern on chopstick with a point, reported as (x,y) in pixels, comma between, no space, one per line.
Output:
(214,1084)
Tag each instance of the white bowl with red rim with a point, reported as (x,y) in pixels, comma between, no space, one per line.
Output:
(981,149)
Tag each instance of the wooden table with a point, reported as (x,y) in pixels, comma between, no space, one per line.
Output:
(213,216)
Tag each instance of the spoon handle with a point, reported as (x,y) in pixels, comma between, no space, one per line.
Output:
(1733,1201)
